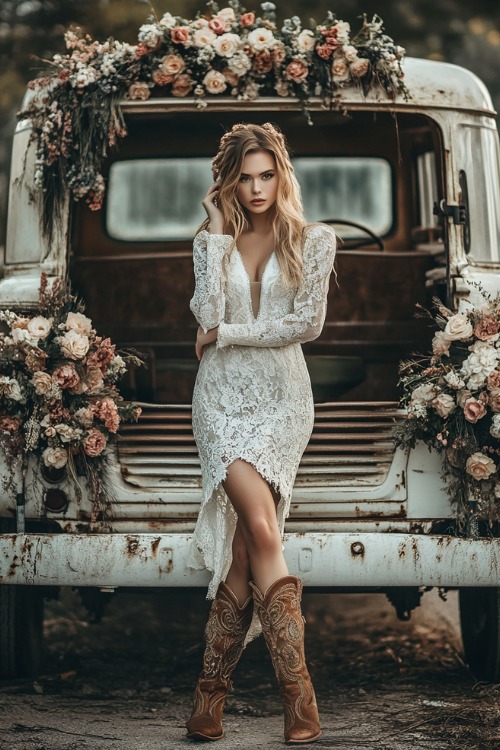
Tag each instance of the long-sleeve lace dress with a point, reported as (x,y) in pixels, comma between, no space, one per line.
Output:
(252,398)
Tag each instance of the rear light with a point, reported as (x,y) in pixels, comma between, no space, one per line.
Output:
(55,500)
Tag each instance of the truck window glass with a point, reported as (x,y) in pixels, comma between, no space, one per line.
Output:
(160,199)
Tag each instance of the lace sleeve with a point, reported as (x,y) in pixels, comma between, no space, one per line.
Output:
(309,310)
(208,301)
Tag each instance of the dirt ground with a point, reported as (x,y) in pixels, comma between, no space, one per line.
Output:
(127,682)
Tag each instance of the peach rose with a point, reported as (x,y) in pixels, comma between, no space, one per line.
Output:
(340,70)
(35,360)
(172,65)
(79,323)
(493,380)
(247,19)
(214,82)
(480,466)
(230,77)
(42,382)
(182,85)
(85,416)
(474,410)
(486,328)
(141,50)
(296,71)
(107,412)
(262,62)
(218,25)
(279,53)
(494,400)
(94,443)
(139,91)
(66,376)
(160,78)
(444,404)
(180,34)
(360,67)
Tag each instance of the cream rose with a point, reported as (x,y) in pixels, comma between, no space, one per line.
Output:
(359,67)
(340,70)
(66,432)
(305,41)
(494,400)
(480,466)
(444,404)
(139,91)
(42,382)
(454,380)
(172,65)
(425,393)
(350,53)
(261,39)
(203,37)
(458,328)
(227,14)
(214,82)
(227,44)
(85,416)
(39,327)
(55,458)
(441,344)
(74,345)
(239,63)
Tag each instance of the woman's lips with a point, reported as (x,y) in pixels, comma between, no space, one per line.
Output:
(258,200)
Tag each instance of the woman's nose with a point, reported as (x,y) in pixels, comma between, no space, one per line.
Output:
(255,187)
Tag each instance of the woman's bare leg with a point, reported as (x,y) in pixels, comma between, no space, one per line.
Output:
(254,503)
(239,572)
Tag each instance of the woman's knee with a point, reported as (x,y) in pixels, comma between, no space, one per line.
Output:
(262,535)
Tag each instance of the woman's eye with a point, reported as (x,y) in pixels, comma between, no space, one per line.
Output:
(268,176)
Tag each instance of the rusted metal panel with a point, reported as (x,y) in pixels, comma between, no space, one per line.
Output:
(340,559)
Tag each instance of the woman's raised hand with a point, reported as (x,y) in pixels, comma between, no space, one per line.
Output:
(213,212)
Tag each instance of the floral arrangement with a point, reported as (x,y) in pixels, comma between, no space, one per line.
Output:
(77,117)
(58,395)
(453,402)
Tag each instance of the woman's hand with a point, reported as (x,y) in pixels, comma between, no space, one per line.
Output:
(202,339)
(213,212)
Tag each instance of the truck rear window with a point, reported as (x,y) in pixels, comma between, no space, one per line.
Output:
(160,199)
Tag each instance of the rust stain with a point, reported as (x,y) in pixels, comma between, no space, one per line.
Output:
(401,550)
(154,545)
(358,550)
(132,545)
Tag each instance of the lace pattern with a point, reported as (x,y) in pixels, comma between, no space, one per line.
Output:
(252,398)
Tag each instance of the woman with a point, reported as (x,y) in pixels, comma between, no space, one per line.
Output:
(262,278)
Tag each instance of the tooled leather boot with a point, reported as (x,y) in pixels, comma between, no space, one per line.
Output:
(225,633)
(283,628)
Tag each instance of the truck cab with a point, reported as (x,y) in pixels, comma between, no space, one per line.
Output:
(412,188)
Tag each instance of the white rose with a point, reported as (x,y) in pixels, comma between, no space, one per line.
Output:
(167,21)
(305,41)
(458,328)
(480,466)
(239,63)
(74,345)
(214,82)
(227,14)
(454,380)
(21,335)
(67,433)
(441,344)
(495,426)
(10,388)
(350,52)
(343,31)
(425,393)
(203,37)
(39,327)
(56,458)
(79,323)
(227,44)
(42,382)
(444,404)
(261,39)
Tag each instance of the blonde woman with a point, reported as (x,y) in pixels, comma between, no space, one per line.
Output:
(262,277)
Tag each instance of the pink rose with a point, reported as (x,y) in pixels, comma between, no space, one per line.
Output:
(139,90)
(494,400)
(218,25)
(107,412)
(94,443)
(180,34)
(10,424)
(486,328)
(493,380)
(262,62)
(474,410)
(161,78)
(182,85)
(66,376)
(296,71)
(324,51)
(247,19)
(141,50)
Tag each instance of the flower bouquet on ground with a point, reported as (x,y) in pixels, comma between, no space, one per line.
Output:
(453,402)
(59,400)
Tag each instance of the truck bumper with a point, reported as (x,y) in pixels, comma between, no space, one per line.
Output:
(320,559)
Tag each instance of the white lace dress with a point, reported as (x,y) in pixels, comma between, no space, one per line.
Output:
(252,398)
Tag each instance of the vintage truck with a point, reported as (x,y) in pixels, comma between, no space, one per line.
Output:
(366,517)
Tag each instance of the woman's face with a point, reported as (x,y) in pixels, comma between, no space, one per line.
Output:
(258,183)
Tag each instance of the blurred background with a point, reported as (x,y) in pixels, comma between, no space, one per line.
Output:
(456,31)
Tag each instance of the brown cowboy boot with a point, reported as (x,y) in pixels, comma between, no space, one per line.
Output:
(225,633)
(283,628)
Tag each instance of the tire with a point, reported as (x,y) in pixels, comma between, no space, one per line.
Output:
(21,630)
(480,624)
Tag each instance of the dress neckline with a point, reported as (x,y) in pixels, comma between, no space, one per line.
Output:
(245,268)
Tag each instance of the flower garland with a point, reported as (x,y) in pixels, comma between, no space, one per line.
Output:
(453,402)
(76,114)
(58,395)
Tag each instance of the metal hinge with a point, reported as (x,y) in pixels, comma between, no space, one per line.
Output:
(457,211)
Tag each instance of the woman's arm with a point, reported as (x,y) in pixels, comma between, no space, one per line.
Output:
(208,301)
(309,310)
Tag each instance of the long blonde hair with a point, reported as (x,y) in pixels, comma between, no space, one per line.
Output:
(288,220)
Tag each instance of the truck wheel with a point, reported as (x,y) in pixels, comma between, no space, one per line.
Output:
(480,624)
(21,630)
